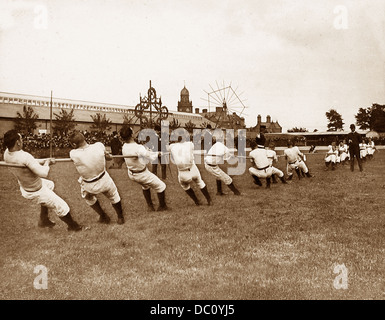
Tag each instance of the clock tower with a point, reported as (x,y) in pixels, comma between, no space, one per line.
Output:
(185,105)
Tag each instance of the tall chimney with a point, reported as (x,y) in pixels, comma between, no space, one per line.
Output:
(259,119)
(268,119)
(196,110)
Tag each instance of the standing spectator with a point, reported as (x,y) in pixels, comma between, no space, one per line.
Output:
(354,140)
(116,149)
(207,138)
(162,159)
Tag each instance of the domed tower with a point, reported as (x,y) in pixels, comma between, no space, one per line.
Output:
(185,105)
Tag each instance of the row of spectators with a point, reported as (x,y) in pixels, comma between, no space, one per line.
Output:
(61,141)
(37,142)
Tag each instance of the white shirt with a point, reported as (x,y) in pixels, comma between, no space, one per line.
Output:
(332,151)
(29,178)
(343,148)
(217,154)
(182,154)
(370,145)
(259,157)
(293,154)
(362,146)
(140,156)
(272,155)
(90,161)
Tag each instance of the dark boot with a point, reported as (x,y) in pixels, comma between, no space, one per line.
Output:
(44,221)
(103,217)
(274,179)
(162,201)
(147,196)
(219,188)
(298,173)
(71,223)
(234,189)
(290,177)
(207,195)
(256,180)
(309,175)
(268,183)
(119,211)
(333,166)
(283,180)
(193,196)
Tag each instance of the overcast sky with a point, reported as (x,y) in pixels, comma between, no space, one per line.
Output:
(293,60)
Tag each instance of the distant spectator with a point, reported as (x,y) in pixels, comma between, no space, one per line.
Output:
(354,140)
(116,149)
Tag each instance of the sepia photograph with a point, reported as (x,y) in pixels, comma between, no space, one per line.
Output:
(192,154)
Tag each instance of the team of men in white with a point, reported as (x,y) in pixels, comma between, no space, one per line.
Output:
(90,163)
(340,154)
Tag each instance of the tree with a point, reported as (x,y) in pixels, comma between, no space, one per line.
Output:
(174,124)
(372,118)
(377,118)
(26,121)
(101,123)
(190,126)
(204,125)
(64,121)
(295,129)
(128,119)
(363,118)
(335,120)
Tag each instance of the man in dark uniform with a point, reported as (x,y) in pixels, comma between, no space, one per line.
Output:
(354,140)
(162,159)
(207,137)
(116,149)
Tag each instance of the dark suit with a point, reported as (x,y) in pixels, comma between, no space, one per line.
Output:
(354,139)
(162,160)
(116,149)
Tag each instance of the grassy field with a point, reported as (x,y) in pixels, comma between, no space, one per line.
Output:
(281,243)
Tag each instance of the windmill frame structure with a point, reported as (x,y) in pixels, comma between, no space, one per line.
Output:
(226,108)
